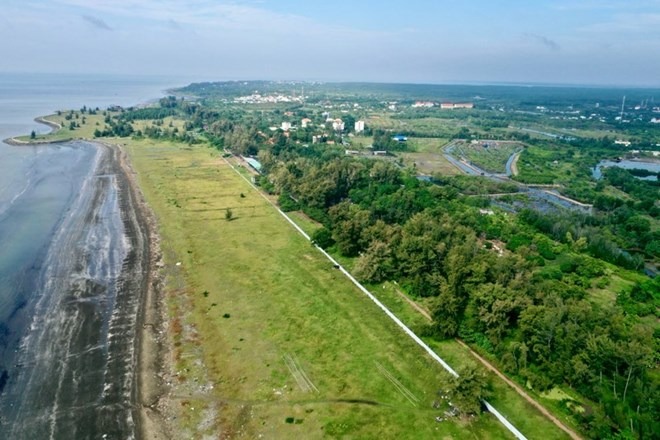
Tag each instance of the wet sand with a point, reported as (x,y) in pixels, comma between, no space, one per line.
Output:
(151,334)
(90,365)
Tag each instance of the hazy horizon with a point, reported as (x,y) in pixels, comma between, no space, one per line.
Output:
(587,43)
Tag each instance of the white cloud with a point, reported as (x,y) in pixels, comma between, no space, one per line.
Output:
(236,16)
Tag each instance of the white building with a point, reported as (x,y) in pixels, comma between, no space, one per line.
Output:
(286,126)
(338,125)
(423,104)
(359,126)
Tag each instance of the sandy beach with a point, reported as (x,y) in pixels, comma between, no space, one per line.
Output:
(151,331)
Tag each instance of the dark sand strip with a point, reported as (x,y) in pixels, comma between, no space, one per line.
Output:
(151,331)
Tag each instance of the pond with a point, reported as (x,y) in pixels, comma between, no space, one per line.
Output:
(653,167)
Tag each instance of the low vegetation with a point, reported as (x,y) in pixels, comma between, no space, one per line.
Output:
(288,344)
(564,301)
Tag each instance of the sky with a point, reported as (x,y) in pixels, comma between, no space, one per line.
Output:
(592,42)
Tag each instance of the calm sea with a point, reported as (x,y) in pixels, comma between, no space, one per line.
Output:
(44,191)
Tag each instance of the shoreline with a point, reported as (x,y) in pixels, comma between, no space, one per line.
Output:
(19,143)
(127,376)
(151,325)
(41,120)
(140,278)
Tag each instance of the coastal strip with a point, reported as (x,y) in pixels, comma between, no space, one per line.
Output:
(20,143)
(89,365)
(151,332)
(54,126)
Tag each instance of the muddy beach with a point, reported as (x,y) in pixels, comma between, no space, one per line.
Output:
(86,365)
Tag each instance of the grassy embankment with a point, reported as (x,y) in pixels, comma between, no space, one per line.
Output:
(257,296)
(492,157)
(85,130)
(273,322)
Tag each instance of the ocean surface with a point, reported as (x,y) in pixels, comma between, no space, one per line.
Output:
(64,348)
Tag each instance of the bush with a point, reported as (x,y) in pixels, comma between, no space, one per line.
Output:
(518,240)
(323,238)
(568,266)
(287,203)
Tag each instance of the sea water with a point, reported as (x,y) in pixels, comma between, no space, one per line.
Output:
(52,256)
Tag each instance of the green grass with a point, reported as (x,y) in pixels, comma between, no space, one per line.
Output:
(306,224)
(426,156)
(168,123)
(360,142)
(429,163)
(84,131)
(492,158)
(427,145)
(251,294)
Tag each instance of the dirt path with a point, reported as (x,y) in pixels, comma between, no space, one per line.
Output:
(522,392)
(422,311)
(499,374)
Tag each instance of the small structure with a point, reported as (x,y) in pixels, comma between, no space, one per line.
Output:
(400,138)
(338,125)
(286,126)
(359,126)
(455,105)
(305,122)
(254,163)
(423,104)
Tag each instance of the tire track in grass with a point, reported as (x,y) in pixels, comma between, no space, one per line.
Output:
(298,373)
(398,385)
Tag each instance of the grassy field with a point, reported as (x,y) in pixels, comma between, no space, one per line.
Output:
(85,130)
(426,156)
(427,145)
(490,155)
(168,123)
(429,163)
(269,338)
